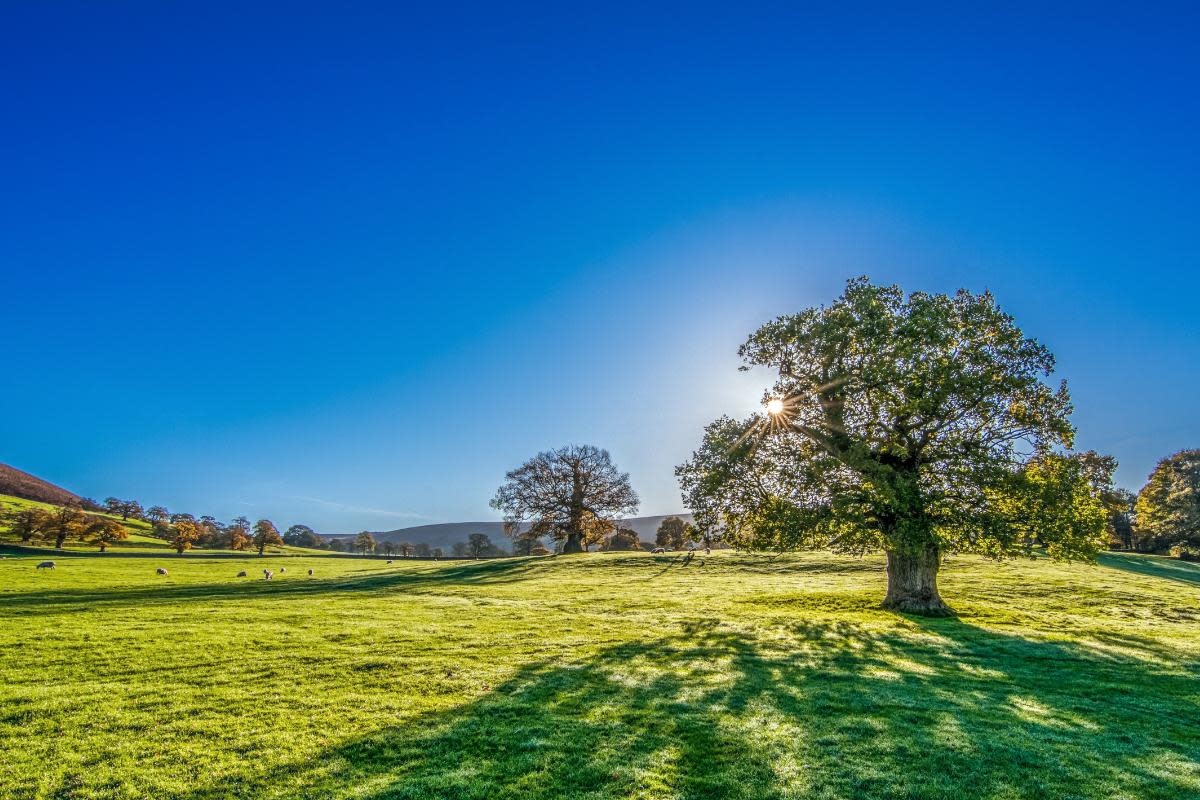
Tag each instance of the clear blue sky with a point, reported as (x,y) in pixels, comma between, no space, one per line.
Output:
(346,265)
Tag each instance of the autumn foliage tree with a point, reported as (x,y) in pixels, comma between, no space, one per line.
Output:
(62,523)
(900,424)
(27,523)
(185,534)
(265,534)
(104,532)
(570,494)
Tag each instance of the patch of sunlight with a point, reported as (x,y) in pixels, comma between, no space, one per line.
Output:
(908,665)
(1174,767)
(1126,651)
(976,671)
(1033,712)
(879,673)
(948,732)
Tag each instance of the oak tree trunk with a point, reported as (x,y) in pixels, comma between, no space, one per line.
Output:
(574,543)
(912,582)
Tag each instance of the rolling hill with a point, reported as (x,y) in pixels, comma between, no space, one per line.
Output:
(16,483)
(447,533)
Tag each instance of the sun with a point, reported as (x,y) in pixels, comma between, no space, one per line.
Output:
(775,406)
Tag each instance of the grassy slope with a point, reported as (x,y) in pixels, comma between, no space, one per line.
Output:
(598,676)
(139,541)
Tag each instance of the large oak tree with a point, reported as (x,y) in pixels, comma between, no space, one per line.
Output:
(915,425)
(569,494)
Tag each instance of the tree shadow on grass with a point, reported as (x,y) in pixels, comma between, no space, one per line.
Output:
(495,571)
(935,709)
(1158,566)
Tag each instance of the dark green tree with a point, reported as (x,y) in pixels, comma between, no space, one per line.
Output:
(673,533)
(1168,507)
(896,424)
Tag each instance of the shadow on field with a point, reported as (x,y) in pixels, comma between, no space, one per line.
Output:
(295,584)
(940,709)
(1172,569)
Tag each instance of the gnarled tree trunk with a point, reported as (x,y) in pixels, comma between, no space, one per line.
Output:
(574,543)
(912,582)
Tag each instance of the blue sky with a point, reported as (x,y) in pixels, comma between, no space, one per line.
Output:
(346,264)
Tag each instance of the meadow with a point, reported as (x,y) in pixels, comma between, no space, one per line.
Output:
(596,676)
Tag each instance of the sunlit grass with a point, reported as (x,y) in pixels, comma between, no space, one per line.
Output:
(601,675)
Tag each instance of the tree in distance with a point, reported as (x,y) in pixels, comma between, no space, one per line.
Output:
(479,545)
(26,524)
(622,539)
(364,543)
(901,424)
(302,536)
(674,534)
(406,549)
(569,494)
(186,533)
(123,508)
(387,548)
(62,523)
(525,538)
(104,531)
(1168,507)
(422,550)
(157,514)
(237,534)
(265,534)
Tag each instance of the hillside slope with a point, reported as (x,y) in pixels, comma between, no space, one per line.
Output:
(447,533)
(17,483)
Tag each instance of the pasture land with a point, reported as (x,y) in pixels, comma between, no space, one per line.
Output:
(595,676)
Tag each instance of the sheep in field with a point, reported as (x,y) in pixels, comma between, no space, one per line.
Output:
(161,570)
(310,572)
(282,570)
(389,562)
(242,574)
(267,574)
(46,565)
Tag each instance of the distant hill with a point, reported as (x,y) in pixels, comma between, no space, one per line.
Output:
(447,533)
(16,483)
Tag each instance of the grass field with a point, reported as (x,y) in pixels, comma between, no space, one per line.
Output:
(598,676)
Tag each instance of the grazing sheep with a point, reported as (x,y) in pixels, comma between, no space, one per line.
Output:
(242,574)
(282,570)
(46,565)
(658,550)
(267,574)
(389,562)
(310,572)
(161,570)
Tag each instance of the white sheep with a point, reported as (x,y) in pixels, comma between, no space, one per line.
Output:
(161,570)
(267,574)
(46,565)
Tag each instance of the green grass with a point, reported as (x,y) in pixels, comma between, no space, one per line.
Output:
(598,676)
